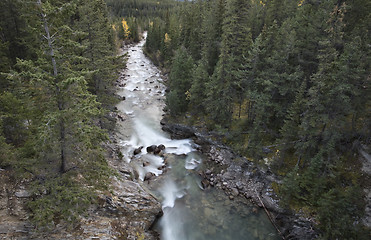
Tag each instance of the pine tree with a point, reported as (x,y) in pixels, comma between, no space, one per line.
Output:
(227,87)
(99,51)
(212,33)
(61,115)
(180,78)
(200,79)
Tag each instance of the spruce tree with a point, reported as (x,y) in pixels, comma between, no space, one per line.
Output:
(180,78)
(227,87)
(197,93)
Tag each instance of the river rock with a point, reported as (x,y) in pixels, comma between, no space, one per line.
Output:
(178,131)
(151,149)
(157,150)
(148,176)
(138,150)
(234,192)
(205,183)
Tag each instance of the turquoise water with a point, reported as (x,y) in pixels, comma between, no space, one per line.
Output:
(191,213)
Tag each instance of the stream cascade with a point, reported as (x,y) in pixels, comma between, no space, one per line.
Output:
(189,211)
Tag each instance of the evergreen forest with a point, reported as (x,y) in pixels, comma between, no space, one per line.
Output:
(58,66)
(285,83)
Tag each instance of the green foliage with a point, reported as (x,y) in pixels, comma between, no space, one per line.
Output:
(59,199)
(59,68)
(197,94)
(180,82)
(339,211)
(290,75)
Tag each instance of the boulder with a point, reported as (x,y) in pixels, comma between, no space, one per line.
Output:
(151,149)
(234,192)
(178,131)
(138,150)
(158,149)
(148,176)
(21,193)
(205,183)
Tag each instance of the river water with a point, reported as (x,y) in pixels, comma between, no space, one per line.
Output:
(190,213)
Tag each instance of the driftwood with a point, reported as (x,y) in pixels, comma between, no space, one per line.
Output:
(269,216)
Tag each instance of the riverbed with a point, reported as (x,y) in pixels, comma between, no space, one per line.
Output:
(172,175)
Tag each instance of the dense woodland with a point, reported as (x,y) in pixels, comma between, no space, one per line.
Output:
(58,65)
(287,81)
(137,16)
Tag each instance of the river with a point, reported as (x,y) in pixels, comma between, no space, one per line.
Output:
(190,213)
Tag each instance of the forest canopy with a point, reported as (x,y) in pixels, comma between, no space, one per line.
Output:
(285,82)
(58,66)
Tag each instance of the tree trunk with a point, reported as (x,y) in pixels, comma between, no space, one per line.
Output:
(62,136)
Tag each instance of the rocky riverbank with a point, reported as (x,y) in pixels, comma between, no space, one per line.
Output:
(239,177)
(125,211)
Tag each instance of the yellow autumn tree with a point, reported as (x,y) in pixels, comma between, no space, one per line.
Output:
(167,38)
(126,28)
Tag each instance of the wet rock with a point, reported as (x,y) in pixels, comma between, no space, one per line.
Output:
(151,149)
(136,174)
(178,131)
(138,150)
(145,164)
(148,176)
(159,148)
(123,98)
(157,151)
(205,183)
(234,192)
(120,117)
(162,167)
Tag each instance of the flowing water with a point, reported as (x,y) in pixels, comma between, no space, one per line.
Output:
(190,213)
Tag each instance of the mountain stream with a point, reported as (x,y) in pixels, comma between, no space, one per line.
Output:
(190,213)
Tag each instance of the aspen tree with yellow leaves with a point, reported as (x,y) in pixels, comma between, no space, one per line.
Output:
(125,27)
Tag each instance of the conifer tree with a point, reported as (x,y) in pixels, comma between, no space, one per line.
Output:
(227,87)
(180,78)
(212,33)
(197,93)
